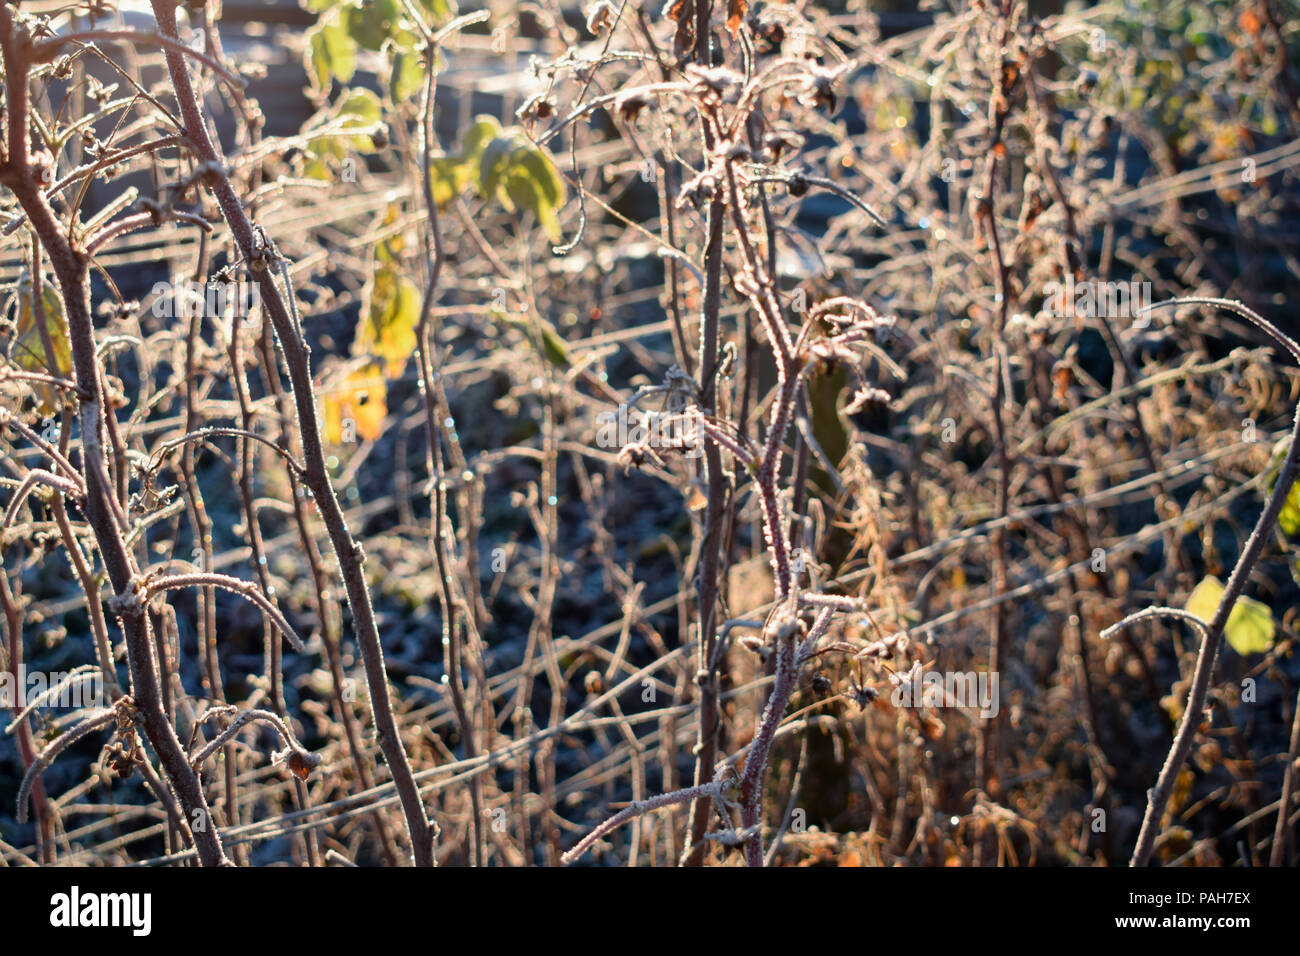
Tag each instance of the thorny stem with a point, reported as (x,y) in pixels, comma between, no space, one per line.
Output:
(325,606)
(36,476)
(999,107)
(103,511)
(1288,789)
(441,533)
(78,675)
(245,589)
(706,792)
(26,745)
(273,656)
(308,759)
(1158,796)
(53,749)
(706,576)
(316,475)
(751,784)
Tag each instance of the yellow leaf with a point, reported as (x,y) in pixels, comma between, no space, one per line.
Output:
(392,311)
(28,349)
(1250,623)
(1182,790)
(390,250)
(356,409)
(449,176)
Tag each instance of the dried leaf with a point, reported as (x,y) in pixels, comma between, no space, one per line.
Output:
(355,411)
(735,14)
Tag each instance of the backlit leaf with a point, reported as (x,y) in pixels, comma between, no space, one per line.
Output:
(485,129)
(356,409)
(538,165)
(372,22)
(391,312)
(331,53)
(406,78)
(553,347)
(317,168)
(389,251)
(441,10)
(524,194)
(830,428)
(359,109)
(1288,519)
(450,177)
(1250,626)
(493,164)
(28,349)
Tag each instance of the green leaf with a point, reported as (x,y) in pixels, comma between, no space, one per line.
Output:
(493,165)
(1250,623)
(331,53)
(450,176)
(1288,519)
(373,22)
(360,108)
(323,148)
(441,10)
(406,78)
(524,193)
(545,176)
(485,129)
(514,171)
(554,348)
(363,104)
(390,250)
(550,343)
(831,429)
(532,183)
(520,193)
(317,169)
(392,312)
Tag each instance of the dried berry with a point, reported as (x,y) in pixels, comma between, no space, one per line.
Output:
(537,107)
(768,37)
(778,142)
(819,90)
(600,18)
(629,106)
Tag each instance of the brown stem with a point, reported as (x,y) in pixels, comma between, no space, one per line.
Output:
(71,269)
(347,550)
(1158,796)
